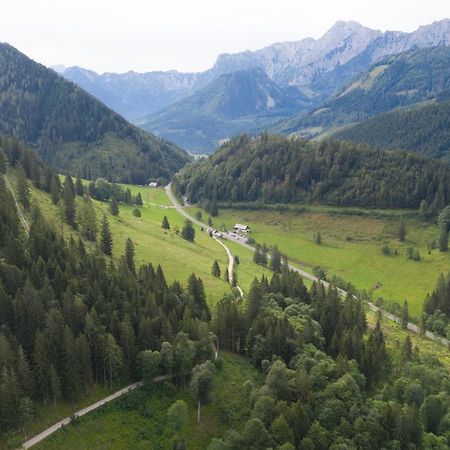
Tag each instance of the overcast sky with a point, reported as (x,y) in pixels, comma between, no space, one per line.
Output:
(144,35)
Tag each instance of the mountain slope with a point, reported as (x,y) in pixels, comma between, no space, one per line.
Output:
(424,129)
(397,81)
(231,104)
(275,169)
(73,131)
(132,94)
(319,67)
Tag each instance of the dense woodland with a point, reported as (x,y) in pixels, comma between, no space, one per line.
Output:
(424,129)
(330,380)
(75,132)
(273,169)
(70,317)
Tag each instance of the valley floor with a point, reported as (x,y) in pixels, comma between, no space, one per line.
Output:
(351,248)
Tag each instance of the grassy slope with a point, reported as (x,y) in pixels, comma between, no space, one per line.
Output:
(121,429)
(351,248)
(177,257)
(395,336)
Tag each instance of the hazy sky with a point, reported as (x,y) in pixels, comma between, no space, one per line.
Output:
(143,35)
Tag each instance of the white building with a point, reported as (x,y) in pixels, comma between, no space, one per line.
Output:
(239,227)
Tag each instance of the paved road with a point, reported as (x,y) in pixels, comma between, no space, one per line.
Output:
(410,326)
(41,436)
(179,208)
(21,217)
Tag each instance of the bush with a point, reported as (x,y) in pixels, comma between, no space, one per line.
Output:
(137,212)
(319,273)
(413,254)
(386,250)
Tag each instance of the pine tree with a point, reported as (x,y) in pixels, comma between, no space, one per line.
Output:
(188,231)
(129,255)
(69,202)
(407,350)
(405,315)
(114,207)
(55,189)
(79,188)
(138,200)
(88,219)
(106,242)
(2,162)
(215,270)
(275,260)
(22,188)
(443,239)
(318,238)
(165,223)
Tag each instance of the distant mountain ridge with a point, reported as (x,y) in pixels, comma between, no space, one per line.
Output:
(310,70)
(397,81)
(72,130)
(297,63)
(231,104)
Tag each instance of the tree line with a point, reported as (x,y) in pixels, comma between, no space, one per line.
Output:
(274,169)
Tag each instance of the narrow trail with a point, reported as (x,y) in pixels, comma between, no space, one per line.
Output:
(410,326)
(180,210)
(21,217)
(41,436)
(230,264)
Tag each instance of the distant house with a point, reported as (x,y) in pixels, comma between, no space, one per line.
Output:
(153,184)
(242,228)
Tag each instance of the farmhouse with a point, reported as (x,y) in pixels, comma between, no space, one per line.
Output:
(239,227)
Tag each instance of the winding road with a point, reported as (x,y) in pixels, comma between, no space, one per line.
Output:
(410,326)
(180,210)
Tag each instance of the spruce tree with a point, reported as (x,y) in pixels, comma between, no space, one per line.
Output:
(215,270)
(165,223)
(275,260)
(88,219)
(2,162)
(443,239)
(405,315)
(138,200)
(22,188)
(69,202)
(55,189)
(129,255)
(114,207)
(106,242)
(188,231)
(79,188)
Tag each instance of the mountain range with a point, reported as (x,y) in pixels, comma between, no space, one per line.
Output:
(394,82)
(74,131)
(310,71)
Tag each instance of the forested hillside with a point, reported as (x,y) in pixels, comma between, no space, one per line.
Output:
(229,105)
(394,82)
(72,130)
(273,169)
(71,317)
(424,129)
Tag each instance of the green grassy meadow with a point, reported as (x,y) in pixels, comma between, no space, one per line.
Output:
(178,257)
(351,248)
(146,427)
